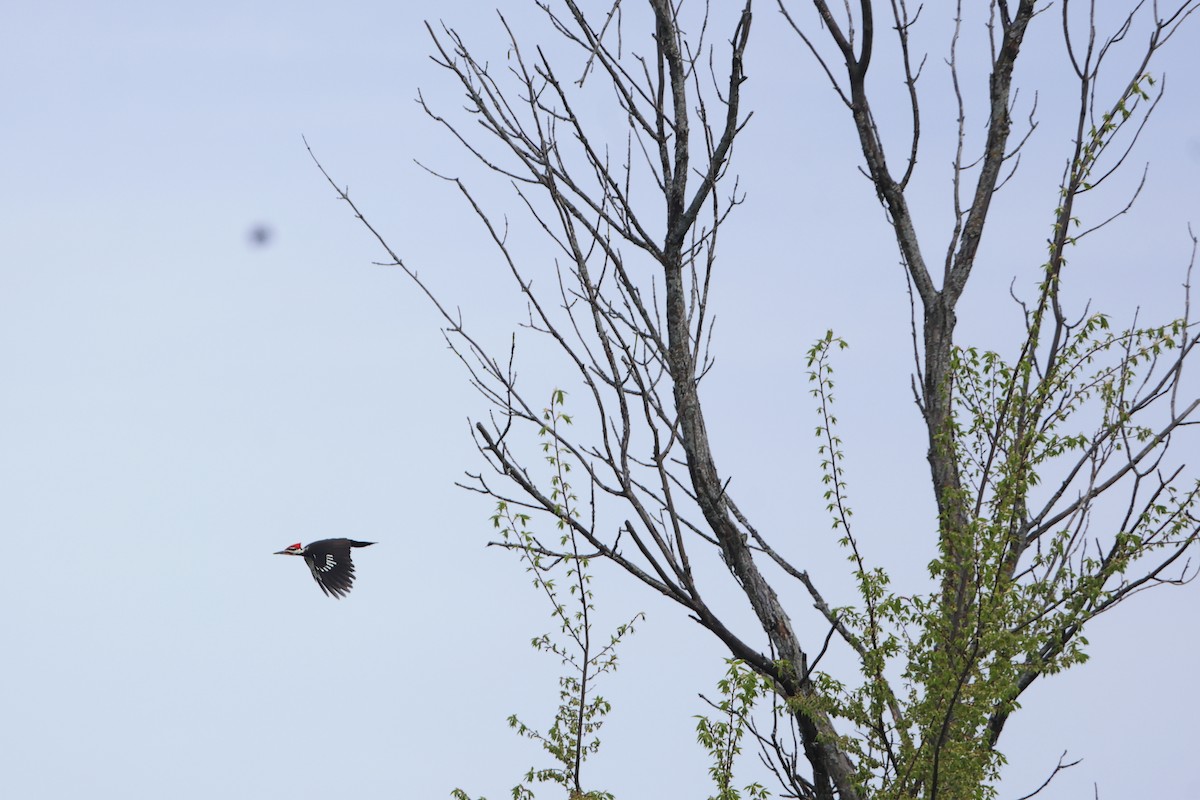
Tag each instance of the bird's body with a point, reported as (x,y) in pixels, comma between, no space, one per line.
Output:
(329,561)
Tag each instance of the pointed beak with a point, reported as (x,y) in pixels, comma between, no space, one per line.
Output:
(283,552)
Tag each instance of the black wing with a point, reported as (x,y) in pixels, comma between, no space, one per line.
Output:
(329,561)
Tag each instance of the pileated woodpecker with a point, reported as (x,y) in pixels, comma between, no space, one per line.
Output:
(330,564)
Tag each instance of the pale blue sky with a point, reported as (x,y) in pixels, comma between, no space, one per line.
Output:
(178,404)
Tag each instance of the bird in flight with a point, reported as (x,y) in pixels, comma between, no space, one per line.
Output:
(329,561)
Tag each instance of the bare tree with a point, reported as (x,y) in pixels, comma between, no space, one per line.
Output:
(1053,471)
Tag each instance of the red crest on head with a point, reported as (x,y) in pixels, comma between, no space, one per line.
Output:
(295,546)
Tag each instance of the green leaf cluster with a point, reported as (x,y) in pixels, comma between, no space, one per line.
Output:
(573,734)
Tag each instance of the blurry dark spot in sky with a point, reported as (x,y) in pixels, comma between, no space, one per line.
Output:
(260,235)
